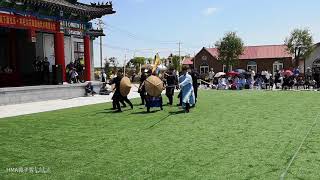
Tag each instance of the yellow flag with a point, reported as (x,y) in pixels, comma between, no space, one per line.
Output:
(157,62)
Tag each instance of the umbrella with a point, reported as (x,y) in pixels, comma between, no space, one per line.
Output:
(288,73)
(233,73)
(241,71)
(219,74)
(264,73)
(162,67)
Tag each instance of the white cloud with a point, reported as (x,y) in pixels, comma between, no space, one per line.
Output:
(209,11)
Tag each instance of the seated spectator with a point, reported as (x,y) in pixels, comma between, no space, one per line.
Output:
(8,70)
(104,90)
(89,89)
(222,84)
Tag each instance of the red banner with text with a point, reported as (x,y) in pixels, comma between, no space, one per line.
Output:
(25,22)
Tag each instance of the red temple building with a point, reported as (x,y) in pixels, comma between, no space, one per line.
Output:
(59,30)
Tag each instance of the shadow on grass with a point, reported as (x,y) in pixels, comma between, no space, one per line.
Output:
(177,112)
(111,111)
(145,112)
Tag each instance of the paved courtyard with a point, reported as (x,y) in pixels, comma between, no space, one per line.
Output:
(44,106)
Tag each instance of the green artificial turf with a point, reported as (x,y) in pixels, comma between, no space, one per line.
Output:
(229,135)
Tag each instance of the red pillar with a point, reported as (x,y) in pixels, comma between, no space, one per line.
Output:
(87,61)
(59,52)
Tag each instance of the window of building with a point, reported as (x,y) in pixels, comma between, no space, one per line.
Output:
(204,69)
(277,66)
(224,68)
(252,65)
(78,50)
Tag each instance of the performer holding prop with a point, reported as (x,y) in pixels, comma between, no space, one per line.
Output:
(122,89)
(154,87)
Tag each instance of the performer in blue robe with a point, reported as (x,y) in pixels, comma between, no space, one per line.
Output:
(187,91)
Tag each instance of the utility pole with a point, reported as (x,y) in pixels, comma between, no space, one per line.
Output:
(124,66)
(180,52)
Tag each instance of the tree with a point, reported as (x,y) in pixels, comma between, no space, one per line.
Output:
(114,62)
(149,60)
(107,68)
(230,47)
(299,43)
(175,61)
(136,62)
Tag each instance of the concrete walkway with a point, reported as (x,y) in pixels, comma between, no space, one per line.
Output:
(44,106)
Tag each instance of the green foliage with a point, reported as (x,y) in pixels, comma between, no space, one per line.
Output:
(107,67)
(149,60)
(110,65)
(300,44)
(255,139)
(114,62)
(230,47)
(136,62)
(176,62)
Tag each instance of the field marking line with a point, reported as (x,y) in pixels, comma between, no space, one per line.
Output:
(283,175)
(154,124)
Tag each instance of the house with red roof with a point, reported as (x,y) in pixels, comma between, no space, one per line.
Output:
(187,61)
(270,58)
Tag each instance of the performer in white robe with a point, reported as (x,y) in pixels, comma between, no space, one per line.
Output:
(187,91)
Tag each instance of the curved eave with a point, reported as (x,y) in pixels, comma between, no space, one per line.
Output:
(82,10)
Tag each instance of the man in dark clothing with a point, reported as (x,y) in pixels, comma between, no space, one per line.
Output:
(195,76)
(171,83)
(117,97)
(142,89)
(46,70)
(79,69)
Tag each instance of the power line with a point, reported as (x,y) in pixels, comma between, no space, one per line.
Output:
(135,36)
(139,50)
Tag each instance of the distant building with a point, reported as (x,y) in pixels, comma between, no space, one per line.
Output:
(188,61)
(313,61)
(258,58)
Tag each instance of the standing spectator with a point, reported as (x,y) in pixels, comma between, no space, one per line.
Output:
(46,70)
(79,70)
(103,76)
(211,75)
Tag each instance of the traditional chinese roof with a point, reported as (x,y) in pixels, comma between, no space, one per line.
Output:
(259,52)
(73,6)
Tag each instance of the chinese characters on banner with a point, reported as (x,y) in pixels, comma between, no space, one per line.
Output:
(27,22)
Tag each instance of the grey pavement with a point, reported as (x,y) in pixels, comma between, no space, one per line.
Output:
(51,105)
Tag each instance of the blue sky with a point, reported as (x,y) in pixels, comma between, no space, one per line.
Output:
(145,27)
